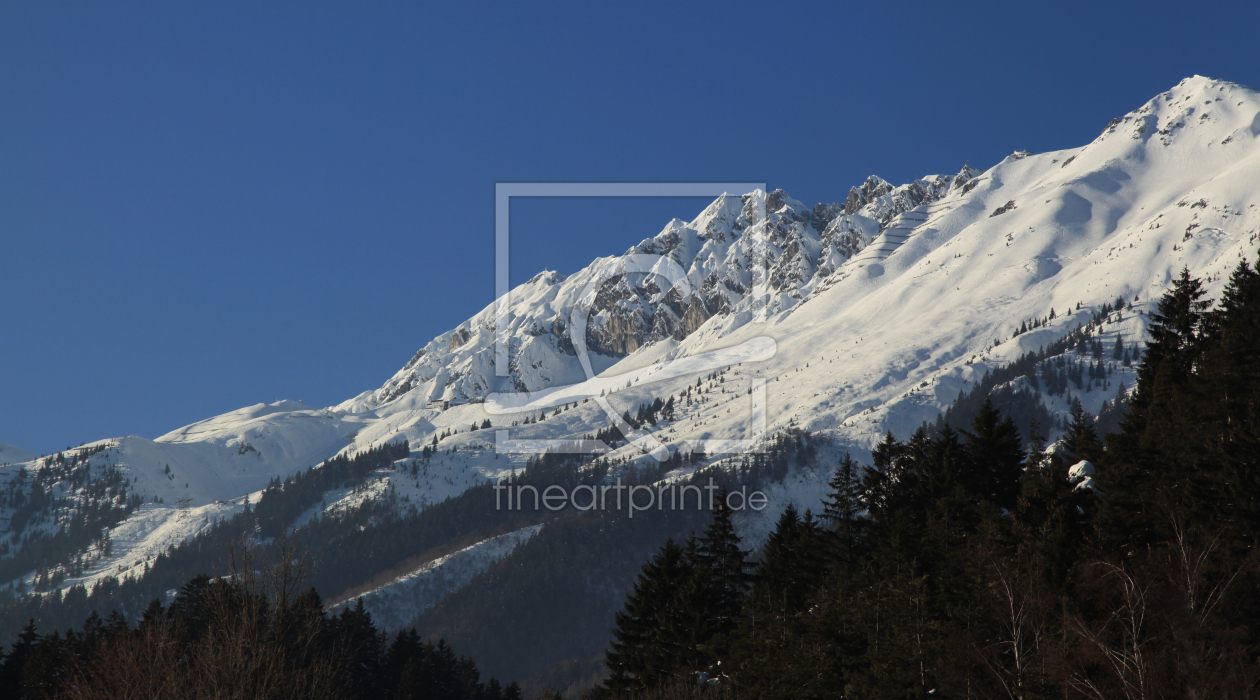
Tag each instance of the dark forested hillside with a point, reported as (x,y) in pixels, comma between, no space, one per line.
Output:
(258,633)
(566,584)
(965,563)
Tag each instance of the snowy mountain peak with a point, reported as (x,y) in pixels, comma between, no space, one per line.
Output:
(859,197)
(1065,202)
(1197,105)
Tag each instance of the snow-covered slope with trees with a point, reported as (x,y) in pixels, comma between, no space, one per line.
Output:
(398,602)
(882,310)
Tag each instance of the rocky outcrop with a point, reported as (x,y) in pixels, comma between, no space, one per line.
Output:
(861,196)
(458,338)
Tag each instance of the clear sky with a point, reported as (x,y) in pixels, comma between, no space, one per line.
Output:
(205,206)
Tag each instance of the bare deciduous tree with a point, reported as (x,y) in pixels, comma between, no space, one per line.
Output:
(1121,639)
(262,641)
(1016,613)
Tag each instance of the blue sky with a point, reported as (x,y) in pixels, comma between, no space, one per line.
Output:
(208,206)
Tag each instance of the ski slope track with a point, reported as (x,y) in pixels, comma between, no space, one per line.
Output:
(881,308)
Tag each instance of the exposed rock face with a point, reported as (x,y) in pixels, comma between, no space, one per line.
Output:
(391,392)
(824,214)
(843,238)
(458,338)
(622,317)
(407,380)
(965,177)
(860,197)
(1009,206)
(722,263)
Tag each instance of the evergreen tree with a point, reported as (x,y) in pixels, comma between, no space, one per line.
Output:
(841,508)
(47,667)
(11,674)
(1081,441)
(996,456)
(1227,401)
(646,640)
(713,597)
(791,566)
(942,462)
(406,644)
(1049,516)
(1176,334)
(1159,468)
(885,480)
(362,649)
(723,567)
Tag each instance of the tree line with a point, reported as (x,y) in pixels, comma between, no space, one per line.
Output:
(282,502)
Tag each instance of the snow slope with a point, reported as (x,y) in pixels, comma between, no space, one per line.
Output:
(12,454)
(229,456)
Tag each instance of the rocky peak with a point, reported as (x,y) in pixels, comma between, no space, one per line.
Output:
(804,246)
(967,174)
(778,202)
(719,219)
(874,186)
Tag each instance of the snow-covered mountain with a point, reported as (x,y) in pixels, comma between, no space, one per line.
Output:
(718,252)
(893,300)
(12,454)
(881,310)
